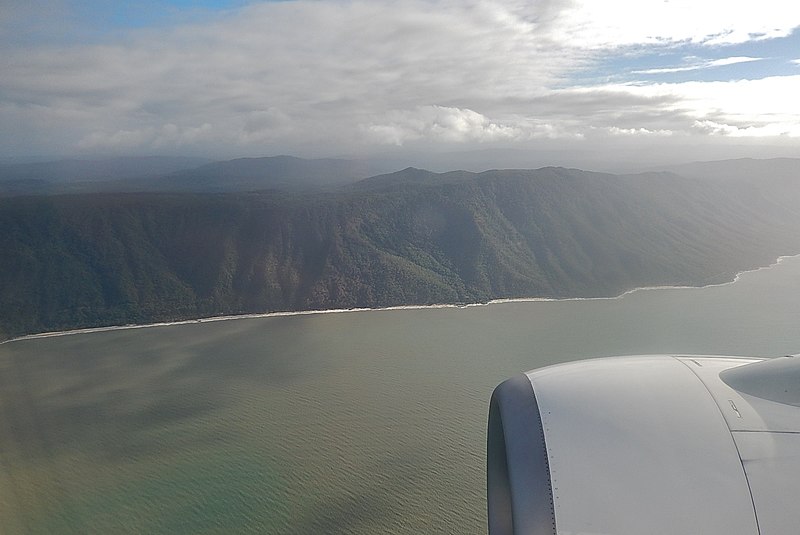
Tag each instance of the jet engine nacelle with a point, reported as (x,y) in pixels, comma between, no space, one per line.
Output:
(647,445)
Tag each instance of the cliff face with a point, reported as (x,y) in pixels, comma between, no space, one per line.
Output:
(408,238)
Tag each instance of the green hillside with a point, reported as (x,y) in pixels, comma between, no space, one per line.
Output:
(408,238)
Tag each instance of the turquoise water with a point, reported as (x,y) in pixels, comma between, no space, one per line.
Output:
(358,422)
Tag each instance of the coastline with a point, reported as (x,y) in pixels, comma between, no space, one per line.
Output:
(210,319)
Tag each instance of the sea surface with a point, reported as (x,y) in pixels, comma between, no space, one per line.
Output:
(356,422)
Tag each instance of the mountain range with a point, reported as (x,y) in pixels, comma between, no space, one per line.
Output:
(408,237)
(181,174)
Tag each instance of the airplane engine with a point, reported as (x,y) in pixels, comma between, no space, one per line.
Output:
(647,445)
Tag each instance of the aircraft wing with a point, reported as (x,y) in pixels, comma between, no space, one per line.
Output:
(647,445)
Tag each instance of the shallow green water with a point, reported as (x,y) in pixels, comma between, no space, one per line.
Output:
(361,422)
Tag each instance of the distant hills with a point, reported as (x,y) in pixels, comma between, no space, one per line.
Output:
(277,172)
(409,237)
(181,174)
(741,169)
(289,173)
(86,175)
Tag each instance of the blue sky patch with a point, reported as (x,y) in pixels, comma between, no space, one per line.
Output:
(693,62)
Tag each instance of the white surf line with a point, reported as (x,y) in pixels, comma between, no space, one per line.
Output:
(367,309)
(211,319)
(736,278)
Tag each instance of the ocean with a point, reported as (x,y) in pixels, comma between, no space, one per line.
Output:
(358,422)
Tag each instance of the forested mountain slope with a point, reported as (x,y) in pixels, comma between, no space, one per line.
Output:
(412,237)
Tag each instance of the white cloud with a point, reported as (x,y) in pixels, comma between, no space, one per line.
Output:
(280,75)
(732,61)
(616,131)
(592,24)
(327,77)
(440,123)
(743,108)
(700,65)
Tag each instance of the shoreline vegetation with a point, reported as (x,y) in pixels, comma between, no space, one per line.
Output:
(210,319)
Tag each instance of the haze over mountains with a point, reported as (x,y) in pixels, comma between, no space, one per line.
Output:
(168,173)
(180,174)
(309,235)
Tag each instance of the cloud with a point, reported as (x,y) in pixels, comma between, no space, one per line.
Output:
(282,74)
(439,123)
(742,108)
(616,131)
(167,136)
(612,23)
(700,65)
(732,61)
(326,77)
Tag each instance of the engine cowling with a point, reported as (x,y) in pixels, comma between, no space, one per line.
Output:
(647,444)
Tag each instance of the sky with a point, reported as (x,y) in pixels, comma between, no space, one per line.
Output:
(656,80)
